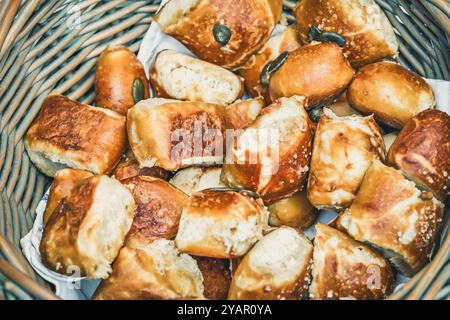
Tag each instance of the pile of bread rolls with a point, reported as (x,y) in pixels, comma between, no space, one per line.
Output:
(152,225)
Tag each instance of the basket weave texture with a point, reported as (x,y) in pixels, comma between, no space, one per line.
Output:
(48,45)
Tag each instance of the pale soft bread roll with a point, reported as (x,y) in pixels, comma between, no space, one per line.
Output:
(153,271)
(182,77)
(158,209)
(389,139)
(391,92)
(68,134)
(346,269)
(271,156)
(88,228)
(65,180)
(194,179)
(245,27)
(276,268)
(295,211)
(221,224)
(174,134)
(344,147)
(368,33)
(422,152)
(390,213)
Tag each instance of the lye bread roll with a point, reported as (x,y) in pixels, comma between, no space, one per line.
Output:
(216,277)
(194,179)
(295,211)
(174,134)
(390,213)
(153,271)
(88,228)
(128,167)
(241,114)
(271,156)
(320,72)
(120,80)
(276,45)
(182,77)
(369,35)
(68,134)
(422,151)
(158,209)
(276,268)
(63,183)
(223,32)
(344,147)
(346,269)
(391,92)
(221,224)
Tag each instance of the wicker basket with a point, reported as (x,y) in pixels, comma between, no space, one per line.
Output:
(54,44)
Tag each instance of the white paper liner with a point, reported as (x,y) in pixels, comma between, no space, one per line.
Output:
(80,288)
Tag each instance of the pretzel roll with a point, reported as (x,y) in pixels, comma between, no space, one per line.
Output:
(390,213)
(344,147)
(224,32)
(153,271)
(368,33)
(221,224)
(276,45)
(158,210)
(391,92)
(68,134)
(120,80)
(88,228)
(241,114)
(320,72)
(276,268)
(194,179)
(182,77)
(346,269)
(271,156)
(64,182)
(216,277)
(173,134)
(422,151)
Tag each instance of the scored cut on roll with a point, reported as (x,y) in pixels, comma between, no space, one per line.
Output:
(221,224)
(343,149)
(68,134)
(182,77)
(391,92)
(223,32)
(276,268)
(346,269)
(194,179)
(390,213)
(153,271)
(421,151)
(158,210)
(87,229)
(271,156)
(368,33)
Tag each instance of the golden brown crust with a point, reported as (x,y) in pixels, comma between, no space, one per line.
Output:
(117,68)
(158,210)
(320,72)
(391,92)
(65,180)
(344,147)
(346,269)
(129,167)
(251,70)
(251,22)
(421,151)
(241,114)
(220,224)
(294,152)
(76,135)
(216,277)
(392,214)
(364,43)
